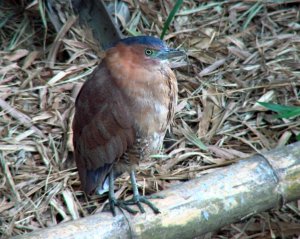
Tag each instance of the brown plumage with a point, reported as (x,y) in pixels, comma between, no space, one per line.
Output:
(123,111)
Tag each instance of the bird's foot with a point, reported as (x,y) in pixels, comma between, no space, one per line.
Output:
(113,202)
(138,200)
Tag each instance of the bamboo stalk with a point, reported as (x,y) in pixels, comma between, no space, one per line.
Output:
(201,205)
(95,15)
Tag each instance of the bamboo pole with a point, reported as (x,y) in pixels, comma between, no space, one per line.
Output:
(94,15)
(201,205)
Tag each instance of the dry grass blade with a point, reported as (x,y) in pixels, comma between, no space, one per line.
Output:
(9,178)
(22,118)
(58,40)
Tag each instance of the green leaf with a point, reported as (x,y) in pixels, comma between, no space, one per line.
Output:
(170,17)
(282,110)
(193,138)
(253,11)
(290,114)
(42,12)
(278,108)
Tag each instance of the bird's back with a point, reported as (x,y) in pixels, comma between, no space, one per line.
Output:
(102,128)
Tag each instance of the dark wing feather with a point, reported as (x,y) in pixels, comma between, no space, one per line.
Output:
(102,128)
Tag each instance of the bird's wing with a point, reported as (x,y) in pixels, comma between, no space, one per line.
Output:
(102,128)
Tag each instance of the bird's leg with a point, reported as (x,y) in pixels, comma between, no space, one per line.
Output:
(137,198)
(112,198)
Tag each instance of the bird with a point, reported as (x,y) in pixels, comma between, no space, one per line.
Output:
(122,113)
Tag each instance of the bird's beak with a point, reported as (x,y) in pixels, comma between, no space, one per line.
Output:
(170,53)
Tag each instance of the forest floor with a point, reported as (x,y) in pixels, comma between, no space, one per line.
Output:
(238,53)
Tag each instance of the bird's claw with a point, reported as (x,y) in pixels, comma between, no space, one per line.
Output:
(121,205)
(155,197)
(138,200)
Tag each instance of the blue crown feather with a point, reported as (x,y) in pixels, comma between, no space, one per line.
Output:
(144,40)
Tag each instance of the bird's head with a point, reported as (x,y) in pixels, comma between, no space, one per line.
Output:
(146,50)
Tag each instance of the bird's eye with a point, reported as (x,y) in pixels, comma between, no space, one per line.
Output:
(148,52)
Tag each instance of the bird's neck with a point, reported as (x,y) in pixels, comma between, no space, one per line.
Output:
(147,88)
(129,70)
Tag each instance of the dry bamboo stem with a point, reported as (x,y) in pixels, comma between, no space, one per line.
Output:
(201,205)
(94,14)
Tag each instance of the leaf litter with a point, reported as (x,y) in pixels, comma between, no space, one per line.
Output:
(238,53)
